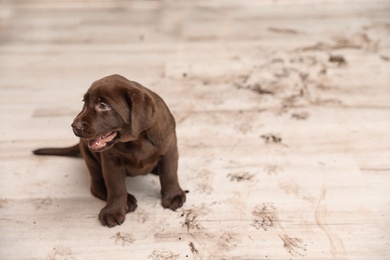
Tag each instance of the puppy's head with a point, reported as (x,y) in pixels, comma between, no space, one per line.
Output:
(115,110)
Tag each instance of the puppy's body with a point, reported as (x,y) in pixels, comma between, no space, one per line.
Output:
(125,129)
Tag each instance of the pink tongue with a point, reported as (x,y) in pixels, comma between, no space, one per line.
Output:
(101,141)
(96,143)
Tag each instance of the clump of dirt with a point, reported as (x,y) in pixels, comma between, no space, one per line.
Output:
(339,59)
(260,90)
(271,138)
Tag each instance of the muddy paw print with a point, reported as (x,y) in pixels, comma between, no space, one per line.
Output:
(265,217)
(295,246)
(123,239)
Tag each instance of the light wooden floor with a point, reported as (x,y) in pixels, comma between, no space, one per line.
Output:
(283,120)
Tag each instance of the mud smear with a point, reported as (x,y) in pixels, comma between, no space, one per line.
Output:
(266,218)
(291,187)
(123,239)
(42,204)
(3,202)
(294,246)
(203,180)
(228,241)
(300,115)
(191,220)
(163,255)
(336,244)
(292,80)
(359,41)
(272,169)
(240,176)
(385,58)
(283,30)
(193,249)
(61,252)
(141,216)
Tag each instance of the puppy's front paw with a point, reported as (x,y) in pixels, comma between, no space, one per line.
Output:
(173,200)
(112,216)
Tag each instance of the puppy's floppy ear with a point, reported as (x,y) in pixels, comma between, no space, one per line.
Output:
(142,110)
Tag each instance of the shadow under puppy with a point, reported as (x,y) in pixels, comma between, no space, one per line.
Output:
(124,129)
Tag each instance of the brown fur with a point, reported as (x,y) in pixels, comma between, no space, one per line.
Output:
(139,137)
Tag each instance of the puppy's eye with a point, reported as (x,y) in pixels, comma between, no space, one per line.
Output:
(103,107)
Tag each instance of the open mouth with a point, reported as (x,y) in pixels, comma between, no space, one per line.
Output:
(101,142)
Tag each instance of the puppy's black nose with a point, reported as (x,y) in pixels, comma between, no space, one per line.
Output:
(78,127)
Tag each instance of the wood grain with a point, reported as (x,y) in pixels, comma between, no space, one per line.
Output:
(283,122)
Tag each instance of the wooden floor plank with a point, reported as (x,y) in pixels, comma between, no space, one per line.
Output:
(282,111)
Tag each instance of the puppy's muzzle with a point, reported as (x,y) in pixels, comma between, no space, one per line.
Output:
(78,128)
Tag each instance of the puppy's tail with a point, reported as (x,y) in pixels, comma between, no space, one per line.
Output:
(73,151)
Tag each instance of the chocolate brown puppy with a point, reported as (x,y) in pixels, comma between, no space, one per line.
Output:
(124,129)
